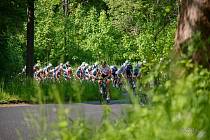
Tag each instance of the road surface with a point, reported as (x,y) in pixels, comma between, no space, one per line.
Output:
(25,121)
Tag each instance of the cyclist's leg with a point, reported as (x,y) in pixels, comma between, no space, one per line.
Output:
(108,88)
(99,84)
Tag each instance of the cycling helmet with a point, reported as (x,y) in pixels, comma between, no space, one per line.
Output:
(111,67)
(67,64)
(49,65)
(86,65)
(83,64)
(96,63)
(139,64)
(36,65)
(126,62)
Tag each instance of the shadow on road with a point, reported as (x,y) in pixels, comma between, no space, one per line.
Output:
(112,102)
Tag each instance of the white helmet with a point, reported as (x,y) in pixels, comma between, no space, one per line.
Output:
(96,63)
(67,63)
(139,64)
(111,67)
(83,64)
(49,65)
(86,64)
(36,65)
(126,62)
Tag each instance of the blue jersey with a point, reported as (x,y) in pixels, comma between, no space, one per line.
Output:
(113,69)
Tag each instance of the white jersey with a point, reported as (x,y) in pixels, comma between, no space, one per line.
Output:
(121,70)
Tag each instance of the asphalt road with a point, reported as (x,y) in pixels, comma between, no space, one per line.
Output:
(26,121)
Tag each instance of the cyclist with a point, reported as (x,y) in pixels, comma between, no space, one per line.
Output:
(58,71)
(128,69)
(46,71)
(136,71)
(119,74)
(114,75)
(88,73)
(79,73)
(67,71)
(54,71)
(35,70)
(40,75)
(95,72)
(105,72)
(84,66)
(129,76)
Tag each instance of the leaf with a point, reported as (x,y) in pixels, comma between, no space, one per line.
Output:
(168,9)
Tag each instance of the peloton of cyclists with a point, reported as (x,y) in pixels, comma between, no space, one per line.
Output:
(89,72)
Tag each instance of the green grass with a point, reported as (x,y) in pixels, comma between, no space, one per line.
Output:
(68,91)
(8,98)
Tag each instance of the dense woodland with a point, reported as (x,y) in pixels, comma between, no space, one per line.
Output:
(87,30)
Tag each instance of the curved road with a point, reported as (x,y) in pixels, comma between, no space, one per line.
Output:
(26,121)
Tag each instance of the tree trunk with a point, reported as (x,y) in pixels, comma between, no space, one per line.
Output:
(65,7)
(30,39)
(193,31)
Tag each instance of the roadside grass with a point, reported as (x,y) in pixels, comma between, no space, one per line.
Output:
(8,98)
(30,91)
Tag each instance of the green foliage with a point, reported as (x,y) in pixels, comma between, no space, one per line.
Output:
(11,55)
(114,31)
(11,36)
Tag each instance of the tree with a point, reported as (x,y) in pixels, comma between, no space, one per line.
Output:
(30,39)
(193,31)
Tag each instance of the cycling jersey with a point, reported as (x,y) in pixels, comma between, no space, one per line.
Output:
(136,70)
(129,69)
(114,69)
(105,70)
(79,72)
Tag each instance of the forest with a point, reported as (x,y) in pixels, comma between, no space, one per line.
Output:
(170,36)
(87,31)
